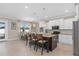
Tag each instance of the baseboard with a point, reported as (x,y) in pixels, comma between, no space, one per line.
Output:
(4,40)
(1,40)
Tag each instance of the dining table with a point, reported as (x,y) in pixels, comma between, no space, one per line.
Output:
(52,43)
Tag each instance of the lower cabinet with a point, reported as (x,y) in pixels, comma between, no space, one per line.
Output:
(67,39)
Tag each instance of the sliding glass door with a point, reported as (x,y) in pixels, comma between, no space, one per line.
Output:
(2,30)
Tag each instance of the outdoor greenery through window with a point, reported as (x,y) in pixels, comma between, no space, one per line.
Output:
(24,27)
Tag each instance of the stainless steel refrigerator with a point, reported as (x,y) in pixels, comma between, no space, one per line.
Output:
(76,38)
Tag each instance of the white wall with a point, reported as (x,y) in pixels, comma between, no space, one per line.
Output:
(13,34)
(42,24)
(34,27)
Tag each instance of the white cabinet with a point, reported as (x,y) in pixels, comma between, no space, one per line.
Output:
(50,24)
(67,23)
(67,39)
(57,22)
(62,23)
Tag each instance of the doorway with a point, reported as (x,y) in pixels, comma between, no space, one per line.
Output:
(24,28)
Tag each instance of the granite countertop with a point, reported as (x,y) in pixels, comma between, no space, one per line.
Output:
(63,31)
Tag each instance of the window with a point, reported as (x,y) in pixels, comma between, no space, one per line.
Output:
(25,27)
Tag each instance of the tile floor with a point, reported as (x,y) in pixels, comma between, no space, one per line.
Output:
(19,48)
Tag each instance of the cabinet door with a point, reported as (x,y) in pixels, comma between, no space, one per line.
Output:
(61,23)
(50,24)
(68,23)
(67,39)
(57,22)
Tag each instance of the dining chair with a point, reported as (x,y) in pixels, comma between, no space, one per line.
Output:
(26,39)
(32,40)
(41,43)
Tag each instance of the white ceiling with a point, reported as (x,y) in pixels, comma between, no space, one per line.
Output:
(35,10)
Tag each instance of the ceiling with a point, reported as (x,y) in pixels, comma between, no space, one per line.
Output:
(36,11)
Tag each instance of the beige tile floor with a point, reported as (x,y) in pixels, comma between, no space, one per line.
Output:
(19,48)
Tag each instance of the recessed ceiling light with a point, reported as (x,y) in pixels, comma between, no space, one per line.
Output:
(66,11)
(26,6)
(46,16)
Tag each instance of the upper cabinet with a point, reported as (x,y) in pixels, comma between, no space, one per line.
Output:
(57,22)
(62,23)
(50,24)
(68,23)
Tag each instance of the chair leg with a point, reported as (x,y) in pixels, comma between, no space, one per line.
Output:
(30,44)
(47,47)
(26,42)
(36,47)
(42,49)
